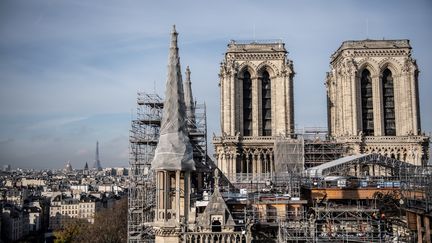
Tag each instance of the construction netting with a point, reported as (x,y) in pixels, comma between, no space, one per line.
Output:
(288,156)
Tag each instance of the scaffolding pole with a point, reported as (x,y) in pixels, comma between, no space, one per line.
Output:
(144,135)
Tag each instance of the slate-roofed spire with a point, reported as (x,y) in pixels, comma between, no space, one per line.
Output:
(190,112)
(174,151)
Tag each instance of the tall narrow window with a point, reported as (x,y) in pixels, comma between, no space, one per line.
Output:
(389,106)
(247,104)
(367,103)
(266,104)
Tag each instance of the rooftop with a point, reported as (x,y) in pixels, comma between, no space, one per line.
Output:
(256,45)
(370,44)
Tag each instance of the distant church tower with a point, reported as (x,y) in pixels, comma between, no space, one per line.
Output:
(373,101)
(256,104)
(173,161)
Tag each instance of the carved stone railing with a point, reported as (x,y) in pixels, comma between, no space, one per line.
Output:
(215,237)
(236,139)
(384,139)
(249,177)
(396,139)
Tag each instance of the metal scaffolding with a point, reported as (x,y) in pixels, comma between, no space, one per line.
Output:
(144,136)
(143,140)
(318,149)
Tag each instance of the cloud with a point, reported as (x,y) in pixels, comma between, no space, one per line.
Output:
(70,70)
(58,122)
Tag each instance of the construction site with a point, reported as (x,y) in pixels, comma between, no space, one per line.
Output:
(315,194)
(266,181)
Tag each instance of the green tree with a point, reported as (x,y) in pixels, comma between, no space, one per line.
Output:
(71,231)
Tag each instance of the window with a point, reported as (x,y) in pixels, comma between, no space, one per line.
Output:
(266,104)
(389,106)
(367,103)
(247,104)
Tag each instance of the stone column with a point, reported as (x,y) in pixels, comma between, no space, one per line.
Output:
(166,188)
(415,104)
(254,164)
(232,104)
(399,90)
(339,108)
(255,107)
(177,195)
(226,104)
(354,105)
(247,165)
(222,102)
(259,163)
(347,108)
(426,222)
(229,164)
(271,164)
(234,164)
(223,162)
(187,190)
(377,105)
(419,229)
(278,108)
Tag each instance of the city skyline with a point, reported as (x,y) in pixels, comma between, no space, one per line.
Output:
(70,70)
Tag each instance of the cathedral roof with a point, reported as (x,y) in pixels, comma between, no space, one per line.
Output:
(174,150)
(370,44)
(256,46)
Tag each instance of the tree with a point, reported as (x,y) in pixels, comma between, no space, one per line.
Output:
(71,231)
(110,226)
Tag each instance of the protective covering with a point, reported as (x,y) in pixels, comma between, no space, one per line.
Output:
(288,155)
(174,151)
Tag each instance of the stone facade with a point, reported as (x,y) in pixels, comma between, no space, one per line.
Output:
(373,102)
(257,105)
(258,60)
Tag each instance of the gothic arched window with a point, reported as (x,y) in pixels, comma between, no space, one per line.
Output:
(367,103)
(247,104)
(266,104)
(389,105)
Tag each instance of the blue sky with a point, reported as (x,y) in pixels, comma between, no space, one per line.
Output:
(70,70)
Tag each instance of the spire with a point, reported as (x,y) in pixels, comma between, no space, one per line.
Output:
(86,166)
(190,111)
(174,151)
(216,179)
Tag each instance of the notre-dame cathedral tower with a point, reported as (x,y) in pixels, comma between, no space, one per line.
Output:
(373,101)
(256,87)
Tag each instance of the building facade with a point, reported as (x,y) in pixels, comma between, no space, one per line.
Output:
(373,101)
(257,105)
(64,209)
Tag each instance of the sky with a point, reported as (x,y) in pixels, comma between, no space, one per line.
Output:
(70,70)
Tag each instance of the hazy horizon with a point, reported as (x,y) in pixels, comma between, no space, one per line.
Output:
(70,70)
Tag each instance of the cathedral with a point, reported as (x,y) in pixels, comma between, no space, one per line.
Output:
(367,180)
(373,101)
(373,104)
(257,106)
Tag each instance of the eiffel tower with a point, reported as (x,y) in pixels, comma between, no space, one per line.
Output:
(97,164)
